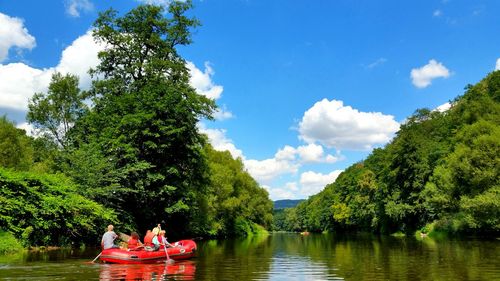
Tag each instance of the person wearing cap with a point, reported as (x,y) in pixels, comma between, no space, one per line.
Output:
(108,239)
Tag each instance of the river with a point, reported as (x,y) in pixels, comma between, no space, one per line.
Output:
(282,256)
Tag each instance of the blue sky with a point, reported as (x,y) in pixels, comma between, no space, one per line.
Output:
(305,88)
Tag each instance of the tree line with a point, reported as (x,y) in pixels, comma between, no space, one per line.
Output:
(128,150)
(440,173)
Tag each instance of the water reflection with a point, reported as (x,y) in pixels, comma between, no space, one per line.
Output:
(280,257)
(180,271)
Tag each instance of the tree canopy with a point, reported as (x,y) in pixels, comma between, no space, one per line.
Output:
(442,169)
(135,153)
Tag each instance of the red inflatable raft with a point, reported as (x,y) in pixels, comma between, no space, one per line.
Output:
(183,249)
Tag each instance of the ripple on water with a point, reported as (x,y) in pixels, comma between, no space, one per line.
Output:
(297,268)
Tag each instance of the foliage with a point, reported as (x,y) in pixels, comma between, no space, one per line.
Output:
(235,201)
(441,168)
(46,210)
(55,112)
(142,129)
(15,149)
(8,243)
(135,156)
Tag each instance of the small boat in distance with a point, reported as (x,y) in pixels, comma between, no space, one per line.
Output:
(305,233)
(183,249)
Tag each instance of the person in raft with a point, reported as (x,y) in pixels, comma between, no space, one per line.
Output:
(163,240)
(151,242)
(134,242)
(156,241)
(108,239)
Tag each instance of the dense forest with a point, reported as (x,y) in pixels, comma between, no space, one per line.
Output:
(441,173)
(127,151)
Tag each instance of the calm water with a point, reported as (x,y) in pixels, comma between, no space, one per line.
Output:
(282,257)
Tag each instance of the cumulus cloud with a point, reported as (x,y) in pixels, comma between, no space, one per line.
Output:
(288,160)
(444,107)
(281,193)
(497,66)
(18,81)
(310,153)
(156,2)
(219,141)
(202,81)
(13,34)
(222,114)
(267,170)
(312,182)
(74,7)
(423,76)
(28,128)
(343,127)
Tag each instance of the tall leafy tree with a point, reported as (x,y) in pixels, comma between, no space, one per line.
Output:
(144,118)
(56,111)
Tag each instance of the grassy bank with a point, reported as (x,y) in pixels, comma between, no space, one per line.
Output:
(9,244)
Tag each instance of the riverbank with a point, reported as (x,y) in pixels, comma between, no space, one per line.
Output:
(9,244)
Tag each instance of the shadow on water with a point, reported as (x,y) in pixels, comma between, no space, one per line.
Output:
(282,256)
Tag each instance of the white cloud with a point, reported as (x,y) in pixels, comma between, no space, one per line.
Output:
(287,192)
(444,107)
(219,141)
(334,159)
(13,34)
(267,170)
(497,66)
(437,13)
(310,153)
(202,81)
(18,81)
(30,131)
(222,114)
(79,57)
(74,7)
(156,2)
(422,77)
(343,127)
(376,63)
(287,153)
(312,182)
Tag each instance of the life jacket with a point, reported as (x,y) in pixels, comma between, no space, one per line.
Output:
(133,243)
(148,239)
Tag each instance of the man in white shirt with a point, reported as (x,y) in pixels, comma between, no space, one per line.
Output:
(108,239)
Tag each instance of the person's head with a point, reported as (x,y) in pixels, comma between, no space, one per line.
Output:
(156,230)
(162,233)
(110,227)
(134,235)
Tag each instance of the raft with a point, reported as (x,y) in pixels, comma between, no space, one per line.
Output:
(183,249)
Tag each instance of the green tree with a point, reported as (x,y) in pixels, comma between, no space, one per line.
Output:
(233,198)
(55,112)
(143,122)
(15,147)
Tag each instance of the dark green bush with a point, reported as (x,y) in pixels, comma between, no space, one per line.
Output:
(46,210)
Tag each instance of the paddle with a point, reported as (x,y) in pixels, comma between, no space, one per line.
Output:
(97,257)
(163,240)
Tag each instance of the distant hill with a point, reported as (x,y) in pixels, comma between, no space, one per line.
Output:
(287,203)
